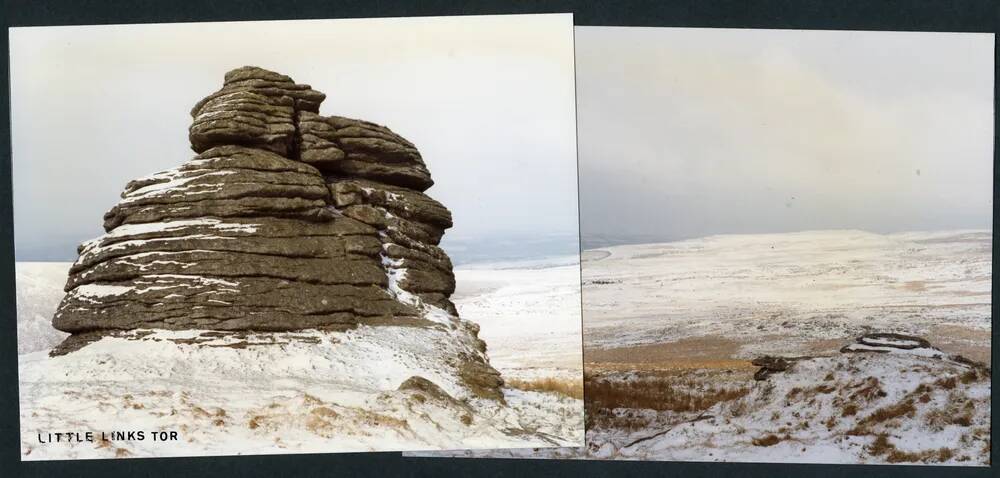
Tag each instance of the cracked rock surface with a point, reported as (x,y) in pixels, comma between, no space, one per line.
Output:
(284,220)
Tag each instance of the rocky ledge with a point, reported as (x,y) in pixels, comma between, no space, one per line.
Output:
(284,220)
(874,343)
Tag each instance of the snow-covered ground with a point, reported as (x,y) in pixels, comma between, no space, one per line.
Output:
(38,290)
(788,293)
(307,391)
(833,409)
(672,325)
(726,298)
(871,408)
(502,298)
(528,313)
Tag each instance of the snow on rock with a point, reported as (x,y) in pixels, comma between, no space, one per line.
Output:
(283,285)
(299,391)
(529,314)
(258,393)
(292,221)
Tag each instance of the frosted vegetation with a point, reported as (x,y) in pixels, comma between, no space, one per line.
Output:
(669,329)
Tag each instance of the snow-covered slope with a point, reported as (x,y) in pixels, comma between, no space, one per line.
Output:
(851,408)
(670,327)
(307,391)
(528,312)
(38,290)
(872,408)
(783,293)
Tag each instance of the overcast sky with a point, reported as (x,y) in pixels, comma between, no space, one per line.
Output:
(691,132)
(489,101)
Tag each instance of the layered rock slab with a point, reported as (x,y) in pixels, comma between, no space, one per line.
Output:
(255,107)
(285,220)
(360,149)
(411,225)
(237,238)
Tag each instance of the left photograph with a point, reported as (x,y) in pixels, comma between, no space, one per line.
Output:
(299,236)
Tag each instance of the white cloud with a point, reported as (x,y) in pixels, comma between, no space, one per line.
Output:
(488,100)
(691,132)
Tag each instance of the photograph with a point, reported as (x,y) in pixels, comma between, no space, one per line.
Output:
(301,236)
(787,244)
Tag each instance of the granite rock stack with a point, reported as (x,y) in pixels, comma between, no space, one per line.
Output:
(284,220)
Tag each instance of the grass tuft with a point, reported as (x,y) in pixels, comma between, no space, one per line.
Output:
(568,387)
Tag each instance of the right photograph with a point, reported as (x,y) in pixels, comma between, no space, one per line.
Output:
(787,244)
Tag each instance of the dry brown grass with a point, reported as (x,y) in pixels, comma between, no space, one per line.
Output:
(803,394)
(766,440)
(310,400)
(379,420)
(823,389)
(969,377)
(658,393)
(903,408)
(868,390)
(963,420)
(881,446)
(568,387)
(255,422)
(794,392)
(653,392)
(946,383)
(888,413)
(969,342)
(694,349)
(830,422)
(325,412)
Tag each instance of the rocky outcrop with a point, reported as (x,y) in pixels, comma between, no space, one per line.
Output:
(770,364)
(284,220)
(874,343)
(256,108)
(885,342)
(354,148)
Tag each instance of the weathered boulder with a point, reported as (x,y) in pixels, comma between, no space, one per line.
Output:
(359,149)
(770,364)
(411,225)
(284,220)
(255,107)
(236,238)
(225,181)
(884,342)
(872,343)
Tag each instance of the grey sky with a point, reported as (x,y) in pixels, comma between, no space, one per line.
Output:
(489,101)
(692,132)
